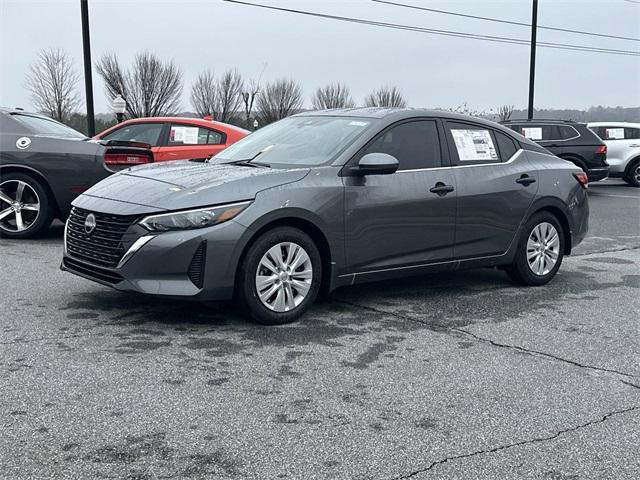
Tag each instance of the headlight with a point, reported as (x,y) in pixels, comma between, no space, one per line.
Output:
(188,219)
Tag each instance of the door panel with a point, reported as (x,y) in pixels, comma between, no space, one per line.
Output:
(186,152)
(394,220)
(491,205)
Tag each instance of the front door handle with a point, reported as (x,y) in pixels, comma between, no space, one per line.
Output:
(526,180)
(441,189)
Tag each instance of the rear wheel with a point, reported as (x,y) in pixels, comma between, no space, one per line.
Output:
(540,251)
(633,177)
(280,276)
(25,207)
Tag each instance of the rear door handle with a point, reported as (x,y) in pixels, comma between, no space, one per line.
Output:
(526,180)
(441,189)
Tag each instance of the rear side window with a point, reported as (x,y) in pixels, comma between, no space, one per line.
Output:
(471,144)
(546,133)
(137,132)
(191,135)
(506,146)
(617,133)
(414,144)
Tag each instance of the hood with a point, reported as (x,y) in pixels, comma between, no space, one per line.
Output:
(185,184)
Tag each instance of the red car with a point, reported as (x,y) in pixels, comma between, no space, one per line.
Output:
(176,138)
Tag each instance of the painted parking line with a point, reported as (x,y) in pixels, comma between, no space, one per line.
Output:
(610,195)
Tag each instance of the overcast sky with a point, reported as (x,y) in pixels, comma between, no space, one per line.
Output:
(430,70)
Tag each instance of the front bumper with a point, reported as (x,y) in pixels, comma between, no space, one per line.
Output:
(162,265)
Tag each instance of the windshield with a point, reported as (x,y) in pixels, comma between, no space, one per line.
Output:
(45,126)
(296,141)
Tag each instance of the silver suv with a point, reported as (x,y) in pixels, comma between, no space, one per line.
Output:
(623,149)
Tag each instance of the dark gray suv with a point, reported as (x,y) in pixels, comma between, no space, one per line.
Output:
(327,199)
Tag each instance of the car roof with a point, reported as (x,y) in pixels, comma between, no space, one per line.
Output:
(12,110)
(613,124)
(191,120)
(544,121)
(396,114)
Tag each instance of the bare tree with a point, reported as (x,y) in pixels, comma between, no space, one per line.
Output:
(52,81)
(204,93)
(151,87)
(279,100)
(334,95)
(505,112)
(219,98)
(229,97)
(387,96)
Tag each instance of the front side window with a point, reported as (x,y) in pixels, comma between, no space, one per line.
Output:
(414,144)
(46,126)
(137,132)
(192,135)
(297,141)
(472,144)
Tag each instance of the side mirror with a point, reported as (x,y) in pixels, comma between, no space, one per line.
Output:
(376,164)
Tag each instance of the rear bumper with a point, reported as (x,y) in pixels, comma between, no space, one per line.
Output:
(596,174)
(164,266)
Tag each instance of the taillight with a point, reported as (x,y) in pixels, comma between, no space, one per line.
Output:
(125,159)
(582,178)
(601,149)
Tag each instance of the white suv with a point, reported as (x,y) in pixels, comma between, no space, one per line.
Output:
(623,149)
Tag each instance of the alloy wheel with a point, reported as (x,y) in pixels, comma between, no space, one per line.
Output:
(19,206)
(636,173)
(284,276)
(543,248)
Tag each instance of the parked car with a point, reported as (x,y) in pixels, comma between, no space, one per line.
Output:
(623,149)
(44,165)
(569,140)
(327,199)
(177,138)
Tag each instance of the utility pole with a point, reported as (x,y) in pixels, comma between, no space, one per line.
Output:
(532,64)
(88,80)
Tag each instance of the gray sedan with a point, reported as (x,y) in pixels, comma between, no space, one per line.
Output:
(328,199)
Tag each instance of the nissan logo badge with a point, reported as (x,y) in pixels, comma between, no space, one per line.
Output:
(90,223)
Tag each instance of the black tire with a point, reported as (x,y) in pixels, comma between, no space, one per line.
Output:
(247,291)
(519,270)
(35,223)
(633,174)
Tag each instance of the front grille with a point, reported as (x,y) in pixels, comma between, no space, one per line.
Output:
(91,271)
(196,268)
(104,245)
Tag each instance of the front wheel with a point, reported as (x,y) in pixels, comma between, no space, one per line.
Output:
(280,276)
(540,251)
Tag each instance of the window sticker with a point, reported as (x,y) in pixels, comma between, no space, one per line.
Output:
(615,133)
(474,145)
(185,135)
(532,133)
(357,123)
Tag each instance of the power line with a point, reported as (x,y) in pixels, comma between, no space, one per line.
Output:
(510,22)
(449,33)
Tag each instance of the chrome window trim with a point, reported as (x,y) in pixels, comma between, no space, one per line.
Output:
(512,159)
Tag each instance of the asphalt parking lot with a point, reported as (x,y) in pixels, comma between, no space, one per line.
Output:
(446,376)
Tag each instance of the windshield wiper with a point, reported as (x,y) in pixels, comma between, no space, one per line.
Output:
(249,162)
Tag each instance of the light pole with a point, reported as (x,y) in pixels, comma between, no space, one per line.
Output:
(255,124)
(88,81)
(532,60)
(119,105)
